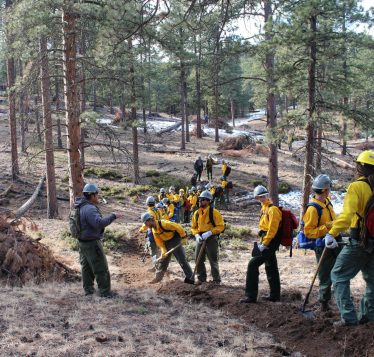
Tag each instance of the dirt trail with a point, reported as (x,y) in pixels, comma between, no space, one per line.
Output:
(282,320)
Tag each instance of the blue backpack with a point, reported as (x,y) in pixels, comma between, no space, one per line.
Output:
(303,240)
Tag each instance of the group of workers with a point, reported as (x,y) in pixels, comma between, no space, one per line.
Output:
(340,264)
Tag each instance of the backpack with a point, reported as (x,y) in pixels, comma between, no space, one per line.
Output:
(364,232)
(308,243)
(167,230)
(227,171)
(75,221)
(230,186)
(288,225)
(211,218)
(218,192)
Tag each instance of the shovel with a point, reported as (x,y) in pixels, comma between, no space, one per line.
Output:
(155,260)
(309,313)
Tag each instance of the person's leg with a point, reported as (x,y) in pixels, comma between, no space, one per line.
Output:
(97,260)
(346,267)
(272,273)
(88,277)
(180,256)
(367,301)
(200,268)
(251,285)
(212,253)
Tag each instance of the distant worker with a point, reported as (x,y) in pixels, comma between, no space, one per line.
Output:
(226,169)
(162,194)
(170,210)
(199,167)
(318,220)
(209,167)
(91,253)
(264,251)
(206,224)
(168,235)
(225,200)
(358,255)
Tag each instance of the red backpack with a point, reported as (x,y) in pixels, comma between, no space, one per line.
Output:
(288,225)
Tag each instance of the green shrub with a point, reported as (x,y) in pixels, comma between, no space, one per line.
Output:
(135,190)
(256,182)
(165,180)
(232,232)
(284,187)
(109,174)
(112,239)
(71,242)
(190,250)
(152,173)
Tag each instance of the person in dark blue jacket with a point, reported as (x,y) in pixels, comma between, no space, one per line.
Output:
(91,254)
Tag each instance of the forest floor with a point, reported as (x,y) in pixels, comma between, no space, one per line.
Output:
(169,318)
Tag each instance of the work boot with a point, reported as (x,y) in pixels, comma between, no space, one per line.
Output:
(216,283)
(325,306)
(364,320)
(247,300)
(199,282)
(270,298)
(110,295)
(342,322)
(158,277)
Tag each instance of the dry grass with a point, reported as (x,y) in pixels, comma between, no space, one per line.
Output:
(56,320)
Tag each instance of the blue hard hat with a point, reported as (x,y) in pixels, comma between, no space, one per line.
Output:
(90,188)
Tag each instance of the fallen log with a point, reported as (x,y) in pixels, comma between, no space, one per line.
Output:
(26,206)
(5,193)
(168,129)
(339,162)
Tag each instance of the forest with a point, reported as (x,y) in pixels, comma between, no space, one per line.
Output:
(127,94)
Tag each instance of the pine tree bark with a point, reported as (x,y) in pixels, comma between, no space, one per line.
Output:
(71,100)
(232,109)
(309,140)
(345,99)
(135,148)
(21,110)
(11,78)
(82,84)
(58,107)
(270,103)
(52,208)
(183,104)
(37,118)
(198,89)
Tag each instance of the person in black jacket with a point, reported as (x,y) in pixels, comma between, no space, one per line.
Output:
(91,253)
(199,167)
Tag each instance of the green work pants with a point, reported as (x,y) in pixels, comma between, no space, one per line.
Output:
(94,266)
(352,259)
(211,251)
(324,274)
(179,255)
(268,258)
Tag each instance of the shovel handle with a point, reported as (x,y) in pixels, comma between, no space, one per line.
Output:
(314,278)
(168,252)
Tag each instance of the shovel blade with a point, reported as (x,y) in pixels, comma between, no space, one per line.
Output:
(154,259)
(189,281)
(309,314)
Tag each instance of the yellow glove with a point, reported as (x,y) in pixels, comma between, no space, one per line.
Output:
(184,241)
(329,224)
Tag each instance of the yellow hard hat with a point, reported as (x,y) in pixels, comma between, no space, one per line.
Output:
(366,157)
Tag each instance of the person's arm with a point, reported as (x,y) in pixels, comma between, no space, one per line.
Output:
(194,225)
(95,219)
(311,229)
(275,218)
(170,211)
(143,228)
(350,207)
(219,222)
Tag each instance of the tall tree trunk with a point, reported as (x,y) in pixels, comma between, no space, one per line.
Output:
(122,107)
(345,99)
(71,100)
(182,101)
(232,109)
(135,148)
(48,131)
(185,109)
(309,140)
(22,111)
(319,149)
(94,95)
(216,111)
(82,83)
(37,118)
(198,89)
(270,104)
(58,106)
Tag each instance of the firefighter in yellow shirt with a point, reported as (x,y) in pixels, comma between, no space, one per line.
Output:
(168,235)
(264,252)
(355,256)
(206,224)
(170,210)
(316,227)
(224,199)
(162,194)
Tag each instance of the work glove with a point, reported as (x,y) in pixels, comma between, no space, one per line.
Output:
(198,238)
(184,241)
(330,242)
(328,225)
(262,247)
(206,235)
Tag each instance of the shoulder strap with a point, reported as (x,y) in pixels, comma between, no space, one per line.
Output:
(162,228)
(211,218)
(365,180)
(318,208)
